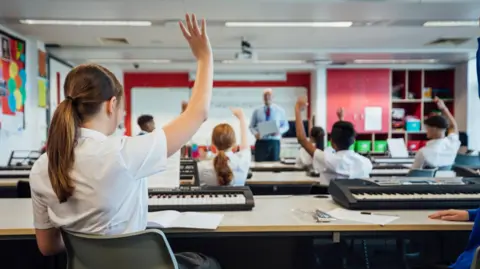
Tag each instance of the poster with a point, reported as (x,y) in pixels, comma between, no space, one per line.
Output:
(13,78)
(42,81)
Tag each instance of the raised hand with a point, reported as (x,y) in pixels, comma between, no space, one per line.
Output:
(302,103)
(237,112)
(197,37)
(440,103)
(340,113)
(451,215)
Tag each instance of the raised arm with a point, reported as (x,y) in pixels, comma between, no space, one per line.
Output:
(341,114)
(238,112)
(452,123)
(300,128)
(179,131)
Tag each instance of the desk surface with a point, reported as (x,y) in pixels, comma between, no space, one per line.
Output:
(270,178)
(271,214)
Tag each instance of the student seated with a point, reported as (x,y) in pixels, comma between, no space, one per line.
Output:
(338,161)
(227,168)
(146,124)
(317,136)
(90,182)
(464,261)
(441,150)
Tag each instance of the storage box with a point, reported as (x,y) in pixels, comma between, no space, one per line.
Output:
(414,145)
(363,146)
(413,125)
(380,146)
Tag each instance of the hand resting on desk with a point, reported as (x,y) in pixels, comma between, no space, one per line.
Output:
(451,215)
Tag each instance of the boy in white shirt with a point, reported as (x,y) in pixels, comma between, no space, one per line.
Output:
(338,161)
(441,150)
(227,168)
(146,124)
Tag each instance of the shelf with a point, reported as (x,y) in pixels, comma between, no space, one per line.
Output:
(406,100)
(405,132)
(444,100)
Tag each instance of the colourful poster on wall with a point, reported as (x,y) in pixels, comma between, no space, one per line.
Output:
(13,75)
(42,78)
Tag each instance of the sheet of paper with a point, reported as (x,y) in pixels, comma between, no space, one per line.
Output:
(189,220)
(397,148)
(163,218)
(373,118)
(267,128)
(170,177)
(343,214)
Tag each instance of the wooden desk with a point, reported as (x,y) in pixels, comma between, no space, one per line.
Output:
(274,166)
(271,214)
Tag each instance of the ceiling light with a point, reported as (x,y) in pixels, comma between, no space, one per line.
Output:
(126,61)
(451,24)
(264,62)
(290,24)
(392,61)
(86,23)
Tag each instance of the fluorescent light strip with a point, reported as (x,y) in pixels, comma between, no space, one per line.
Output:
(86,23)
(451,24)
(131,61)
(264,62)
(290,24)
(390,61)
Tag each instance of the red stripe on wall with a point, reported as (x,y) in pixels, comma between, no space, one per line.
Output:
(165,80)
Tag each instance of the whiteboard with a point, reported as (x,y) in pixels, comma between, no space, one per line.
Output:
(164,104)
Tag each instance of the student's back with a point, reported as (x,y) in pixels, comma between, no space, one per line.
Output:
(238,162)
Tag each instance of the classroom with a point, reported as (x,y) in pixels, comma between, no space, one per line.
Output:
(287,134)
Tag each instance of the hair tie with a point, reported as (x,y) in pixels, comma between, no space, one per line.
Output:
(69,98)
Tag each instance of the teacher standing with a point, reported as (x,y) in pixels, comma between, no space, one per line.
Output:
(267,148)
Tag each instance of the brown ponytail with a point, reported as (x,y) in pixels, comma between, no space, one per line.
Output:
(223,138)
(86,88)
(223,170)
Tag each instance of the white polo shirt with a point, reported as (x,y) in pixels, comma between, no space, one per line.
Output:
(303,159)
(239,162)
(438,152)
(109,175)
(342,164)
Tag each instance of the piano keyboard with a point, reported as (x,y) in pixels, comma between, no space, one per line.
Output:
(201,199)
(367,194)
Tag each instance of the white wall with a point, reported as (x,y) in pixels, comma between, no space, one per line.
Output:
(35,117)
(318,95)
(473,106)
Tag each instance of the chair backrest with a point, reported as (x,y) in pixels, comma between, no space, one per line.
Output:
(147,249)
(467,160)
(421,173)
(476,260)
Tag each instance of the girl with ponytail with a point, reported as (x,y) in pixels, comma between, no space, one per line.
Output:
(92,182)
(227,168)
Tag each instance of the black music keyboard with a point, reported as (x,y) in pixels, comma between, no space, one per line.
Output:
(364,194)
(201,199)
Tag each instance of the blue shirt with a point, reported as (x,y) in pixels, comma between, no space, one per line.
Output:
(464,261)
(276,114)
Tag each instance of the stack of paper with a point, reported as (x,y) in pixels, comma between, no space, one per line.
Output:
(343,214)
(190,220)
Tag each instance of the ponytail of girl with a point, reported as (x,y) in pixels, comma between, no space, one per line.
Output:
(62,138)
(222,169)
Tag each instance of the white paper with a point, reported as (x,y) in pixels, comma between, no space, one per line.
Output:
(343,214)
(267,128)
(373,119)
(170,177)
(397,148)
(190,220)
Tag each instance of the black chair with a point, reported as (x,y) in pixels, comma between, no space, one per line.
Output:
(476,260)
(467,160)
(23,189)
(422,173)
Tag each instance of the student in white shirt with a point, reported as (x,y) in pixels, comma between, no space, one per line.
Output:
(93,183)
(338,161)
(227,168)
(146,124)
(441,150)
(317,136)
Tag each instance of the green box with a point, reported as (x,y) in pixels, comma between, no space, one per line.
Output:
(363,146)
(380,146)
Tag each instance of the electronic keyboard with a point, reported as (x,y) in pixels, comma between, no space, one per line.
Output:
(389,160)
(201,199)
(417,194)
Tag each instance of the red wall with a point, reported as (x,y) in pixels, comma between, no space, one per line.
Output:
(165,80)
